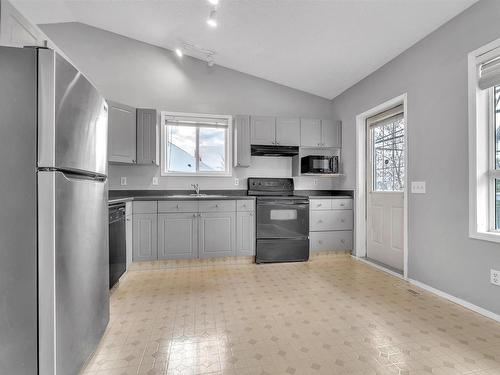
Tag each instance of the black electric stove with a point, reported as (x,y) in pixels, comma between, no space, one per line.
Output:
(282,221)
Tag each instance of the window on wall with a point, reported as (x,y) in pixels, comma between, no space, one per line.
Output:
(387,134)
(195,144)
(484,142)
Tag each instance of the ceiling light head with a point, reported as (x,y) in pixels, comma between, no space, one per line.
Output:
(211,20)
(214,2)
(179,52)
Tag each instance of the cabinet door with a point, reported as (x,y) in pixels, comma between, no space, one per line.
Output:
(287,131)
(177,236)
(331,133)
(121,133)
(242,141)
(217,234)
(145,237)
(128,233)
(310,132)
(15,30)
(147,137)
(262,130)
(245,233)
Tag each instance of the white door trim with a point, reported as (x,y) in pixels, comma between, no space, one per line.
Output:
(360,196)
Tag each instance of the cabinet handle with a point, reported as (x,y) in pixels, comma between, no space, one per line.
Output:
(320,242)
(277,143)
(320,221)
(251,214)
(217,205)
(128,220)
(342,205)
(133,161)
(177,206)
(343,241)
(342,220)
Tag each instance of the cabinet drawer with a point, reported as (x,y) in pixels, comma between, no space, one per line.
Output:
(145,207)
(217,206)
(331,220)
(177,206)
(342,204)
(245,205)
(320,204)
(325,241)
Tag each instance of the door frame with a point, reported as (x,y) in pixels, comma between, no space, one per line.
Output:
(361,179)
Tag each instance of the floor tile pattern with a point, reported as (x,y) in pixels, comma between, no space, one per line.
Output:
(333,315)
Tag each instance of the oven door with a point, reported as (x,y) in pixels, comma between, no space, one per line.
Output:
(282,218)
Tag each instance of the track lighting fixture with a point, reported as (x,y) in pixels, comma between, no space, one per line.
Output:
(214,2)
(179,52)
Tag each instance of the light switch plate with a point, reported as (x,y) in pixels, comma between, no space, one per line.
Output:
(418,187)
(123,181)
(155,180)
(236,181)
(495,277)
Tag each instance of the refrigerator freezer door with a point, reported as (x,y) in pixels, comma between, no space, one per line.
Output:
(73,130)
(73,270)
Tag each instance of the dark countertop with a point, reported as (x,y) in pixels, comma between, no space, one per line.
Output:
(119,196)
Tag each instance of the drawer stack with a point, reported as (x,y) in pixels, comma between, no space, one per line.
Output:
(331,224)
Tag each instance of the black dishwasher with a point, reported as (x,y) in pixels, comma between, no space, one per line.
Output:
(117,243)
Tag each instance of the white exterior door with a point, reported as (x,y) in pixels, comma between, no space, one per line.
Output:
(385,191)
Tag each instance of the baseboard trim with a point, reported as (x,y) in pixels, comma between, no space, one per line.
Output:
(379,267)
(458,301)
(439,293)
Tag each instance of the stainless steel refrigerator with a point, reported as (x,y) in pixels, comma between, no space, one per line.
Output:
(54,301)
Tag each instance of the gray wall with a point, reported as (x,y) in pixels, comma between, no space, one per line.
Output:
(143,75)
(434,74)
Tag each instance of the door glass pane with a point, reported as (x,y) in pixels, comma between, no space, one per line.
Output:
(497,127)
(181,148)
(388,154)
(212,149)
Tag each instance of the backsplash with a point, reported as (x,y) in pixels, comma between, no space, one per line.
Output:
(141,177)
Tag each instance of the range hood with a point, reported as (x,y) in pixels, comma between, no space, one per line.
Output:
(265,150)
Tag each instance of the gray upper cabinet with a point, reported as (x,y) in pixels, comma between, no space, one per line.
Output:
(262,130)
(147,136)
(15,30)
(287,131)
(122,133)
(310,132)
(242,141)
(217,234)
(331,133)
(145,238)
(177,236)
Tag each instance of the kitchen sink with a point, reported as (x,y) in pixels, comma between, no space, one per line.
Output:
(197,196)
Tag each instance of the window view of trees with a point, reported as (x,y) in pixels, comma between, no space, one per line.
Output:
(388,155)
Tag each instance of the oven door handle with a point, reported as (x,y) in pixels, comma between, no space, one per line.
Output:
(298,204)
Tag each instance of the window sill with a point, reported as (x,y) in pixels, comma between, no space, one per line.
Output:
(173,174)
(486,236)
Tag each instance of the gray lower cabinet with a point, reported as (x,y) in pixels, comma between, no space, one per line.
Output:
(122,133)
(177,236)
(245,233)
(217,234)
(147,137)
(242,154)
(145,237)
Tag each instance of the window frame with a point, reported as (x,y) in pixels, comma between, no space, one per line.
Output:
(482,156)
(228,172)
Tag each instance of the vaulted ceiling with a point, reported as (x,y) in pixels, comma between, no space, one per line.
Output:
(318,46)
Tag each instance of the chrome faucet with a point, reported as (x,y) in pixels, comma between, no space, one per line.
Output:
(196,188)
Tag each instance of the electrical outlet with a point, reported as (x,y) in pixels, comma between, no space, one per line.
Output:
(418,187)
(495,277)
(315,181)
(236,181)
(155,180)
(123,181)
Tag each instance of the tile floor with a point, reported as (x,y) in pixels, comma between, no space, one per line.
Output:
(333,315)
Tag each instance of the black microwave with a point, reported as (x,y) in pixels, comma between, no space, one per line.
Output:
(319,164)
